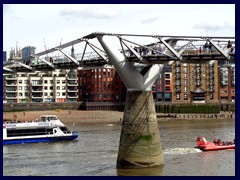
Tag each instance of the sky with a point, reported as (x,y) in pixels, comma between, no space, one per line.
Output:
(47,25)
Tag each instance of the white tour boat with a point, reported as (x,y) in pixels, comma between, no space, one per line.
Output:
(47,129)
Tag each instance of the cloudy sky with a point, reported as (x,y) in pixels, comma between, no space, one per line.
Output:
(39,25)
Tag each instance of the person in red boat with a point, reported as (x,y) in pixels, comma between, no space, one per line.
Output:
(219,142)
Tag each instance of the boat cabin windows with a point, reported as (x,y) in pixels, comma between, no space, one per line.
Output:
(29,132)
(65,130)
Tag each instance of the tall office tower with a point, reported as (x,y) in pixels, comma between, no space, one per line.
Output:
(28,51)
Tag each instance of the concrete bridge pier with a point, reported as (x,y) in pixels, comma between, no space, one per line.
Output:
(140,144)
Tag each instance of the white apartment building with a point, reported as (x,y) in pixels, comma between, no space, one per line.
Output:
(52,86)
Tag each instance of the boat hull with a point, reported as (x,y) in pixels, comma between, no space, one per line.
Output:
(205,145)
(215,148)
(40,140)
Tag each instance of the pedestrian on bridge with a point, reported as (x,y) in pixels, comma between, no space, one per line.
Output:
(206,47)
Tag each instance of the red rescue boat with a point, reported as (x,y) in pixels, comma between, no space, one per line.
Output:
(205,145)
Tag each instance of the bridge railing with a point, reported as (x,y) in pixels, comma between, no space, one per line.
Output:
(62,59)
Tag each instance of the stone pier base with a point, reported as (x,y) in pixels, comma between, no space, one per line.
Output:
(140,144)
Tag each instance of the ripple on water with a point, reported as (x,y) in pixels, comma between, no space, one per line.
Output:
(181,150)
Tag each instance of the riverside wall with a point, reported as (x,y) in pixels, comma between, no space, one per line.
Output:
(117,107)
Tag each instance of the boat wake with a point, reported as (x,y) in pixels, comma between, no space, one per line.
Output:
(181,150)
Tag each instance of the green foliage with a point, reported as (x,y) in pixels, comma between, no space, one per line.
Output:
(187,108)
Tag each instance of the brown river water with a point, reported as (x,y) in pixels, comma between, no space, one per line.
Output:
(95,151)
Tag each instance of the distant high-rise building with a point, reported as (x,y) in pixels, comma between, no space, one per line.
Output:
(4,56)
(28,51)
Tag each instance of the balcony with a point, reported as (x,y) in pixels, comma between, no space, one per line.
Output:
(11,90)
(72,90)
(211,71)
(11,78)
(37,90)
(72,84)
(211,83)
(178,64)
(11,84)
(36,84)
(37,97)
(211,77)
(11,97)
(72,78)
(178,77)
(72,96)
(224,83)
(211,90)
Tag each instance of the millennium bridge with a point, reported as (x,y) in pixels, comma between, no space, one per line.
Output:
(138,60)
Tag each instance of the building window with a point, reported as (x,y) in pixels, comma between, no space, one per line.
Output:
(45,87)
(20,94)
(63,82)
(58,87)
(167,88)
(45,81)
(178,96)
(20,81)
(193,69)
(25,87)
(51,88)
(167,76)
(63,87)
(58,81)
(178,83)
(58,94)
(63,94)
(20,88)
(25,81)
(211,96)
(167,82)
(185,70)
(185,89)
(51,82)
(45,94)
(185,96)
(185,82)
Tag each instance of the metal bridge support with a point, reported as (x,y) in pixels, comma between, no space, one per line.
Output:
(140,144)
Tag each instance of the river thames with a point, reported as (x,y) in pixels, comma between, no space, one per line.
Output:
(95,152)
